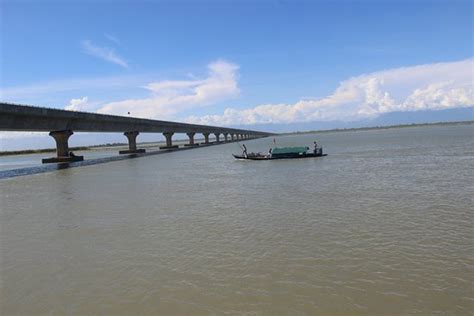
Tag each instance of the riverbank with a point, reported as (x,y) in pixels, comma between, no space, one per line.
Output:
(79,148)
(39,151)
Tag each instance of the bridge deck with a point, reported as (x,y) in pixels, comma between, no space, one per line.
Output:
(28,118)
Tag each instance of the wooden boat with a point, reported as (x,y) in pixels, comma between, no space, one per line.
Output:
(283,153)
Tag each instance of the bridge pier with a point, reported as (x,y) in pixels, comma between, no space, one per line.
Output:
(226,137)
(232,136)
(206,138)
(62,148)
(132,144)
(169,143)
(217,137)
(191,140)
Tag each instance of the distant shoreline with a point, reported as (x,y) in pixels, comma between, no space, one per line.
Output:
(470,122)
(48,150)
(85,148)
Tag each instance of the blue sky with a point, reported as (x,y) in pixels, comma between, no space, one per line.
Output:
(238,62)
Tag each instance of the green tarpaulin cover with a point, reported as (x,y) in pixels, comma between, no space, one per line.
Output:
(289,150)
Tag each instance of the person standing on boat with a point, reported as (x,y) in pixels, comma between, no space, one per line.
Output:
(245,150)
(315,147)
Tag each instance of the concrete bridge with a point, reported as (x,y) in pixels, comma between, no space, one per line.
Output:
(61,124)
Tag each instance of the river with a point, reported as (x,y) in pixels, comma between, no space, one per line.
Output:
(383,225)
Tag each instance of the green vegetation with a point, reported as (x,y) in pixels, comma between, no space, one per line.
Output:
(37,151)
(50,150)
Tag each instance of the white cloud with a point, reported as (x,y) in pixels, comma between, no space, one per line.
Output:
(113,39)
(104,53)
(424,87)
(81,104)
(441,95)
(169,97)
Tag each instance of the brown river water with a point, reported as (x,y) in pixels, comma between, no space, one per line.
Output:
(384,225)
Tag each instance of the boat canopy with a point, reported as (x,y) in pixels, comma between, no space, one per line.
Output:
(289,150)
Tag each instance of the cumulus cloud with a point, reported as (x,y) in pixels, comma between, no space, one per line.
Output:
(169,97)
(105,53)
(424,87)
(81,104)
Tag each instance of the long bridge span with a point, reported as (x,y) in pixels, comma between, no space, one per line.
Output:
(61,124)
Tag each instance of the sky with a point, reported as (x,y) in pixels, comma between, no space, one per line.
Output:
(239,63)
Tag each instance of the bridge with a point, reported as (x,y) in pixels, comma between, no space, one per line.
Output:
(61,124)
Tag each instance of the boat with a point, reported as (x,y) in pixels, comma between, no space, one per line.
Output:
(283,153)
